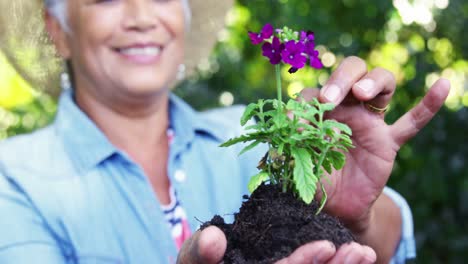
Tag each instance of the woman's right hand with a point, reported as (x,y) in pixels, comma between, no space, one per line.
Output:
(208,247)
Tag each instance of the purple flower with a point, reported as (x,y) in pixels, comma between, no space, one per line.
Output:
(313,55)
(273,50)
(293,54)
(310,48)
(315,62)
(266,33)
(307,36)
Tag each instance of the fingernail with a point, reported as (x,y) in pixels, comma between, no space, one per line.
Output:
(324,254)
(331,92)
(366,85)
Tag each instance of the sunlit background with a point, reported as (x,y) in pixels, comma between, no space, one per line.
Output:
(419,41)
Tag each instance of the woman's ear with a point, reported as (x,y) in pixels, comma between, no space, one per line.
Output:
(57,34)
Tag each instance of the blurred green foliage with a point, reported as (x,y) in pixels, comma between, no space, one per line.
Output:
(419,41)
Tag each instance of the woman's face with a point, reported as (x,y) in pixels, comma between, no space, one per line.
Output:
(124,47)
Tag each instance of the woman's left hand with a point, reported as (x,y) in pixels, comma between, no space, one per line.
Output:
(321,252)
(360,97)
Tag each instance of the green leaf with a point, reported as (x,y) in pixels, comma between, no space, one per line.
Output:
(326,107)
(344,129)
(346,141)
(327,166)
(257,126)
(294,105)
(235,140)
(280,148)
(280,120)
(297,137)
(249,147)
(249,112)
(244,138)
(304,178)
(256,180)
(337,159)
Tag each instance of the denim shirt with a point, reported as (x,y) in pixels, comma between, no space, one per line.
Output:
(67,195)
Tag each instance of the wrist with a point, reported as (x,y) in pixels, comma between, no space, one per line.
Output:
(380,228)
(363,227)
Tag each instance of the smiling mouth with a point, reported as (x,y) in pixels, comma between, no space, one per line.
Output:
(140,51)
(141,54)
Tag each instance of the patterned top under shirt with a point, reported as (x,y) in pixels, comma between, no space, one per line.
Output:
(174,212)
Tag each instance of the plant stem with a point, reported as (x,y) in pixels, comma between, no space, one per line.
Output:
(286,174)
(322,157)
(278,85)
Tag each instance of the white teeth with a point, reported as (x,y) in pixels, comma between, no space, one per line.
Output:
(146,51)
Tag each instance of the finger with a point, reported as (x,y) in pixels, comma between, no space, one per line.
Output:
(354,253)
(369,255)
(341,253)
(316,252)
(414,120)
(342,79)
(376,88)
(204,247)
(310,93)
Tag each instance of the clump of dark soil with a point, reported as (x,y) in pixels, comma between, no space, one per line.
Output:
(271,224)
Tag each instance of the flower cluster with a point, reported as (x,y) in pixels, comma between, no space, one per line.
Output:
(286,45)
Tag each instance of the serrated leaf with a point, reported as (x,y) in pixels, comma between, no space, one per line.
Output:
(298,137)
(256,126)
(244,138)
(337,159)
(344,129)
(280,120)
(327,165)
(346,141)
(249,147)
(303,174)
(270,112)
(235,140)
(277,104)
(249,112)
(294,105)
(256,180)
(326,107)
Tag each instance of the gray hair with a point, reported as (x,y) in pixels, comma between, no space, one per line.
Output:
(58,9)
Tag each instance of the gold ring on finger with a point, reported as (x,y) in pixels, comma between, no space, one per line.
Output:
(375,109)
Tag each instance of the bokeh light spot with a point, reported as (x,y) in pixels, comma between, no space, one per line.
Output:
(226,98)
(328,59)
(295,88)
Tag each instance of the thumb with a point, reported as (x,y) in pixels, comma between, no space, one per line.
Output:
(204,247)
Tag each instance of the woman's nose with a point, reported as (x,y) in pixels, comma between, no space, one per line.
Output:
(141,15)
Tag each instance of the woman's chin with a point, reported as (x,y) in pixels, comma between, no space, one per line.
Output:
(146,92)
(146,87)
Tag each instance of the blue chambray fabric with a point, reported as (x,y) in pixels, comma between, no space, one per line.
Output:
(67,195)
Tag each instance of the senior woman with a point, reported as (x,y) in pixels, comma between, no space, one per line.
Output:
(125,168)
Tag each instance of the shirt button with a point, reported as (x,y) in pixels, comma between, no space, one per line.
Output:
(180,176)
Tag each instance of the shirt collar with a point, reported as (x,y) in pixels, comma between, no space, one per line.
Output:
(186,123)
(85,143)
(88,146)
